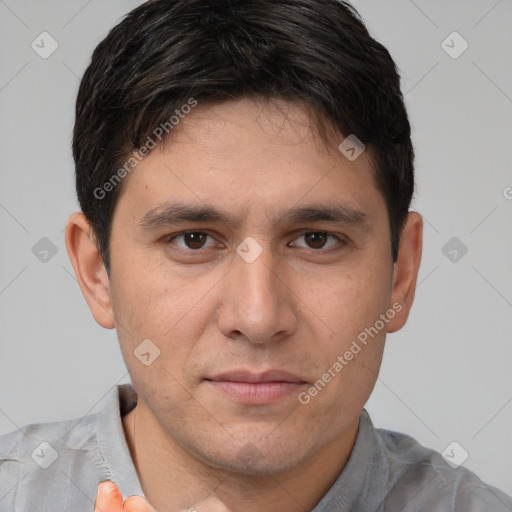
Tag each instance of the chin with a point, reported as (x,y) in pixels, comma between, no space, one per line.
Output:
(253,458)
(252,467)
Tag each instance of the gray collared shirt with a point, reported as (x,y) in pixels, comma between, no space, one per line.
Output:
(56,467)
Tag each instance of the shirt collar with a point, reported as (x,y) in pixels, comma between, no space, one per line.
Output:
(362,482)
(112,441)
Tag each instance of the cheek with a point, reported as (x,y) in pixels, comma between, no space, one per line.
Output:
(168,310)
(350,301)
(158,298)
(345,383)
(356,311)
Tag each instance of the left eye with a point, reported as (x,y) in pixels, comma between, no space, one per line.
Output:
(193,240)
(316,240)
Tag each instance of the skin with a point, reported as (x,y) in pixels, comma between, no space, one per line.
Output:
(109,499)
(297,307)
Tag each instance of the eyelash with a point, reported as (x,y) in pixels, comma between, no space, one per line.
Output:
(342,241)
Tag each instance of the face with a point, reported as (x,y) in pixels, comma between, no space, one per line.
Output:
(247,252)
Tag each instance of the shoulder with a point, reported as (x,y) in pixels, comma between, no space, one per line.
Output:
(423,480)
(41,461)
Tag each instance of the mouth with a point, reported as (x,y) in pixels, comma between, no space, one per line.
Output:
(249,388)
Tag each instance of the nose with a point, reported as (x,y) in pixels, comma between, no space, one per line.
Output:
(257,303)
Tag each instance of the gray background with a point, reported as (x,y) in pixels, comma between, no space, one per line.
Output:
(446,376)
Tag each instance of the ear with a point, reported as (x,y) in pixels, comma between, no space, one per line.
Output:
(405,272)
(89,269)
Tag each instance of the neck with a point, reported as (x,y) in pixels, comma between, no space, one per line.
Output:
(174,479)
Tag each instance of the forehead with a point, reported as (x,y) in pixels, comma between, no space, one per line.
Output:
(262,152)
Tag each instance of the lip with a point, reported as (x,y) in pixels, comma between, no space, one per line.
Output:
(257,378)
(256,388)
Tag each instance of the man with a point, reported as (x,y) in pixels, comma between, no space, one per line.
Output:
(244,171)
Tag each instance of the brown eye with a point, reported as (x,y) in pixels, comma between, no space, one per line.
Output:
(316,240)
(194,240)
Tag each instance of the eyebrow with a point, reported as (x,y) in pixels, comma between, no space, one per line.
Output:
(336,213)
(171,214)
